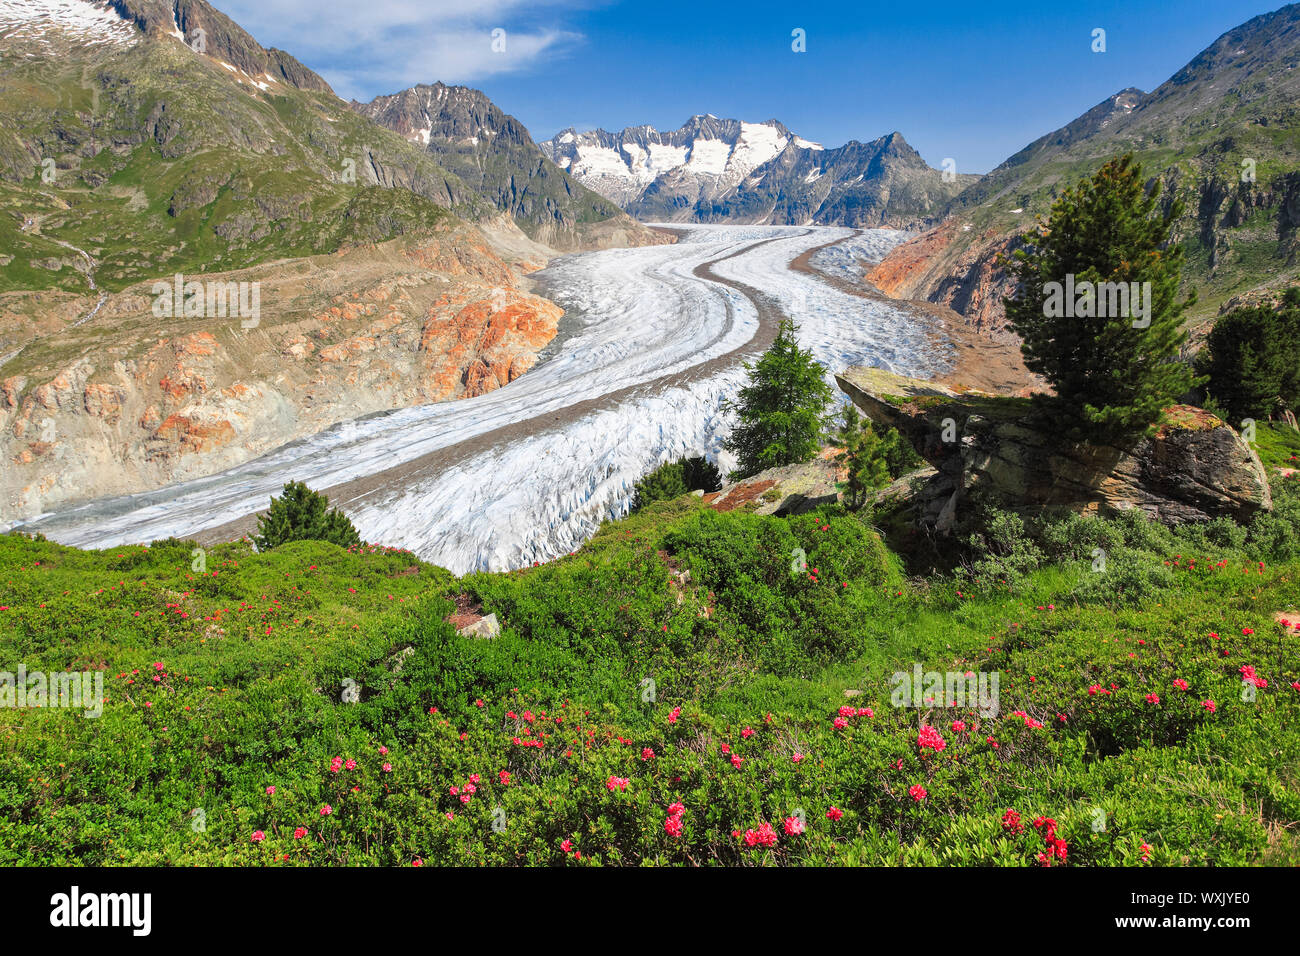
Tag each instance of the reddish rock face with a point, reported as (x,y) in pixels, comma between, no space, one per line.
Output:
(55,394)
(370,329)
(193,435)
(963,275)
(498,338)
(12,387)
(104,401)
(906,263)
(479,379)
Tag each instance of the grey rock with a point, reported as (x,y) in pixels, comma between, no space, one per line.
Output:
(398,660)
(485,628)
(784,491)
(1194,468)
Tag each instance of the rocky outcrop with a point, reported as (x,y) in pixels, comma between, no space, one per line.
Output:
(952,266)
(221,38)
(485,628)
(1194,468)
(788,490)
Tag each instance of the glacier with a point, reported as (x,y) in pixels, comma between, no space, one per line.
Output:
(647,354)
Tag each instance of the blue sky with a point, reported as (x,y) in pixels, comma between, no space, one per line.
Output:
(974,81)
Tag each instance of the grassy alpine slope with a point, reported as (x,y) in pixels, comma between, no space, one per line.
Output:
(164,163)
(229,737)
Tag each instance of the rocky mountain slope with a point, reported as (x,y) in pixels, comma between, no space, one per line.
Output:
(725,170)
(469,135)
(1222,134)
(157,155)
(141,140)
(129,400)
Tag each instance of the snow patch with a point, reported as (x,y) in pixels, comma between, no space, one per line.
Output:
(758,143)
(82,21)
(708,156)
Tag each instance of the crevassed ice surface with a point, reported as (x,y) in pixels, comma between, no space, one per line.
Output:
(633,317)
(848,259)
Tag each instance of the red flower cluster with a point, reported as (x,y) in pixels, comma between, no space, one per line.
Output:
(1056,847)
(765,835)
(930,738)
(1248,675)
(846,712)
(1028,721)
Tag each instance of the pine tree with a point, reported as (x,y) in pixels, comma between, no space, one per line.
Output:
(1252,360)
(863,457)
(300,514)
(781,412)
(700,474)
(1113,373)
(674,479)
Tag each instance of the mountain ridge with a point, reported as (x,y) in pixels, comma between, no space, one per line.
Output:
(466,133)
(1222,135)
(713,169)
(129,156)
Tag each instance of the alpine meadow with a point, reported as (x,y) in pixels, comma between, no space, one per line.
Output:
(391,480)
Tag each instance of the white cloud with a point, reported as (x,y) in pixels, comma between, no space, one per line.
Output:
(470,55)
(367,47)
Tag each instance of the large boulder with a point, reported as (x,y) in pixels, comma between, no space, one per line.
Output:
(1194,468)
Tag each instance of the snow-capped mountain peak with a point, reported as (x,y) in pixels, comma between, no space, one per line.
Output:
(707,152)
(726,170)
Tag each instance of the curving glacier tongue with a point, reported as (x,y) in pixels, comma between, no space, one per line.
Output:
(648,352)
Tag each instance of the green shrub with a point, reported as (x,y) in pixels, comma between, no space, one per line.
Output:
(1143,533)
(724,690)
(1074,537)
(300,514)
(1002,553)
(1124,576)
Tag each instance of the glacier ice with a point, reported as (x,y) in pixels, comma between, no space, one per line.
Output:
(639,324)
